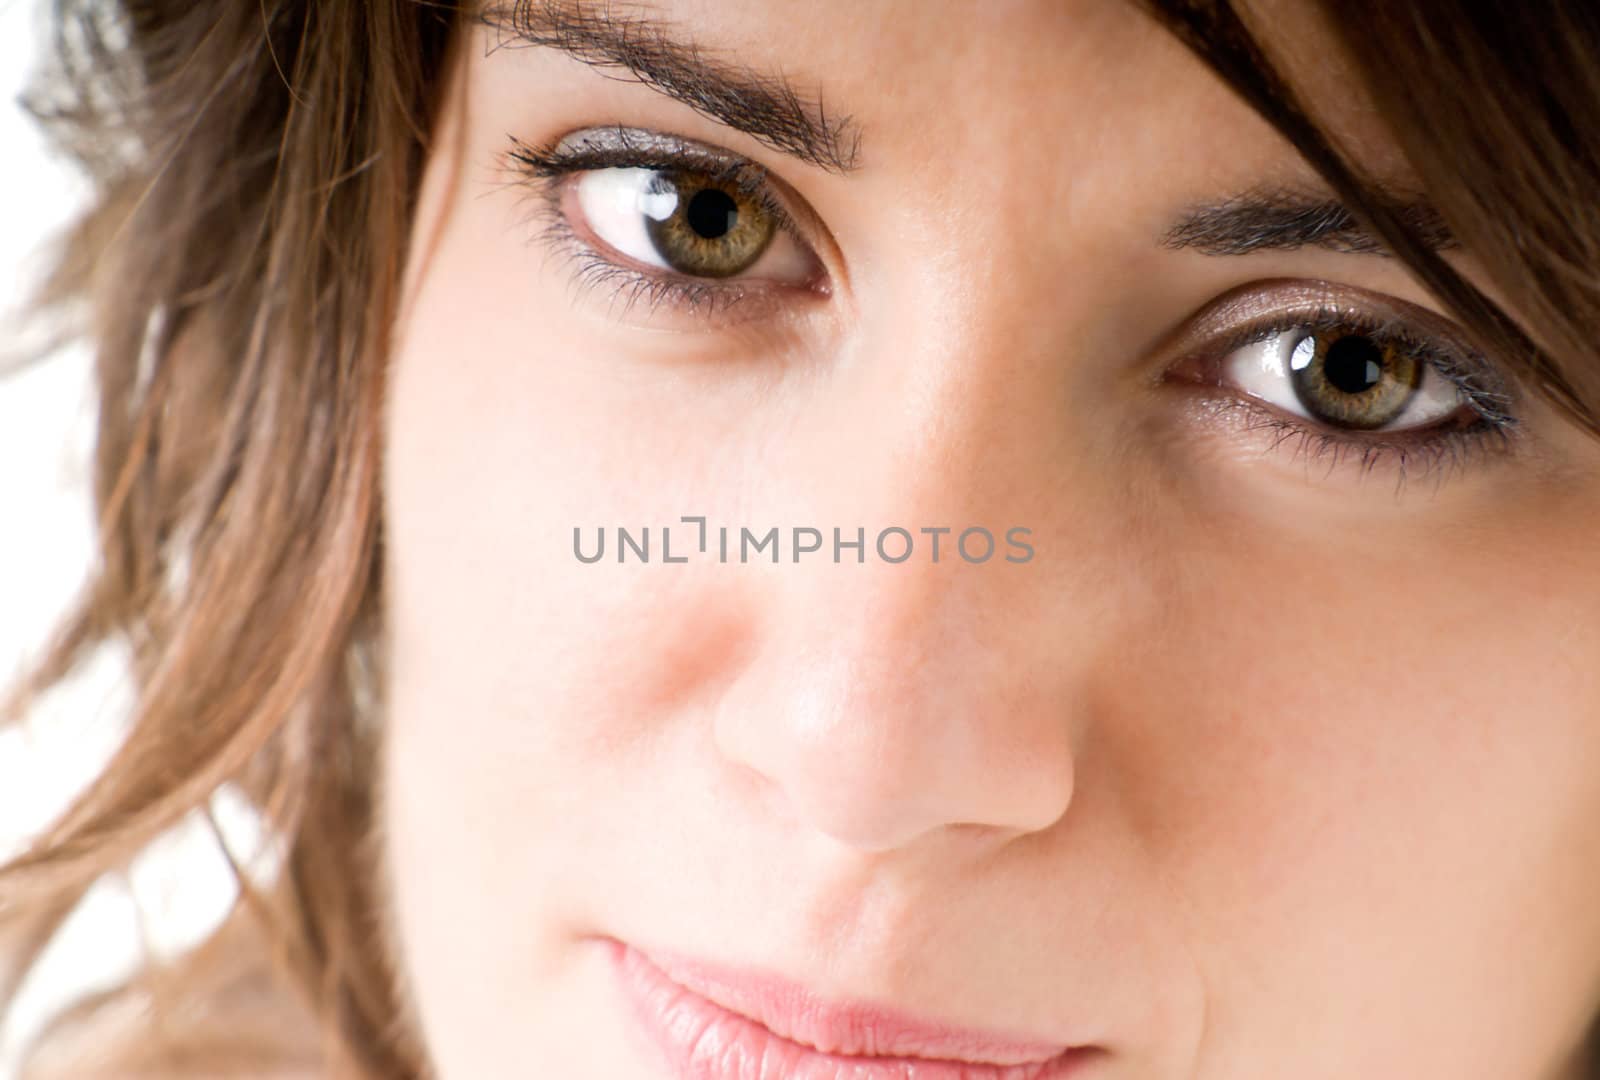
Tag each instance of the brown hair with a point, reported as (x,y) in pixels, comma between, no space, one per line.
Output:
(255,166)
(256,169)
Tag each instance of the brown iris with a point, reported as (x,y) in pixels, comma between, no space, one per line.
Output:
(709,227)
(1353,380)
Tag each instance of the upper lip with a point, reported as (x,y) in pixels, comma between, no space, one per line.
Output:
(791,1011)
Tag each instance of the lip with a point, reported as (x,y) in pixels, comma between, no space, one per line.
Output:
(716,1023)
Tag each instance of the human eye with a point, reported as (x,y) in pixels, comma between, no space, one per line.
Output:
(1358,379)
(669,223)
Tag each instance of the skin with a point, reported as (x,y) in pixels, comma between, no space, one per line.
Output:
(1263,766)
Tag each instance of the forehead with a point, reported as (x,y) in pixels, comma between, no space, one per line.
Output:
(1057,83)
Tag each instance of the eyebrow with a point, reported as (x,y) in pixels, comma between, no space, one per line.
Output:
(634,47)
(1284,220)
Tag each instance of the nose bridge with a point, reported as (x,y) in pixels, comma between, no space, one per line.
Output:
(900,690)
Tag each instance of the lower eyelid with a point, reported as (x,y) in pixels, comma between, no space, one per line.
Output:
(624,288)
(1433,453)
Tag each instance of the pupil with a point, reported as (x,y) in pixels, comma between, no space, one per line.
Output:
(1353,364)
(712,214)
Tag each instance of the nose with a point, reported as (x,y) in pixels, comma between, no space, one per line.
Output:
(897,705)
(888,700)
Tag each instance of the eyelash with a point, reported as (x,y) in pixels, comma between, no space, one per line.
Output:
(1438,451)
(546,167)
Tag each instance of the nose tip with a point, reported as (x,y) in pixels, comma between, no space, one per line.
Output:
(910,715)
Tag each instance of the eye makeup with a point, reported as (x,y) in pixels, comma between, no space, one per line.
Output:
(1483,426)
(685,173)
(638,212)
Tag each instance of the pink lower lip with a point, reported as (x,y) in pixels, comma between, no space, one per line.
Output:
(702,1040)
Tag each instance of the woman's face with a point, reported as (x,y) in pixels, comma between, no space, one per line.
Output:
(1264,743)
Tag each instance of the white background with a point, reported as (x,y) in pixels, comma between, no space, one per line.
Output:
(46,433)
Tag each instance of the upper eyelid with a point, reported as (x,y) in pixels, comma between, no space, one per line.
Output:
(621,146)
(1265,307)
(618,145)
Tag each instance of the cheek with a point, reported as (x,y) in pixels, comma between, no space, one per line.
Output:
(1371,764)
(523,685)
